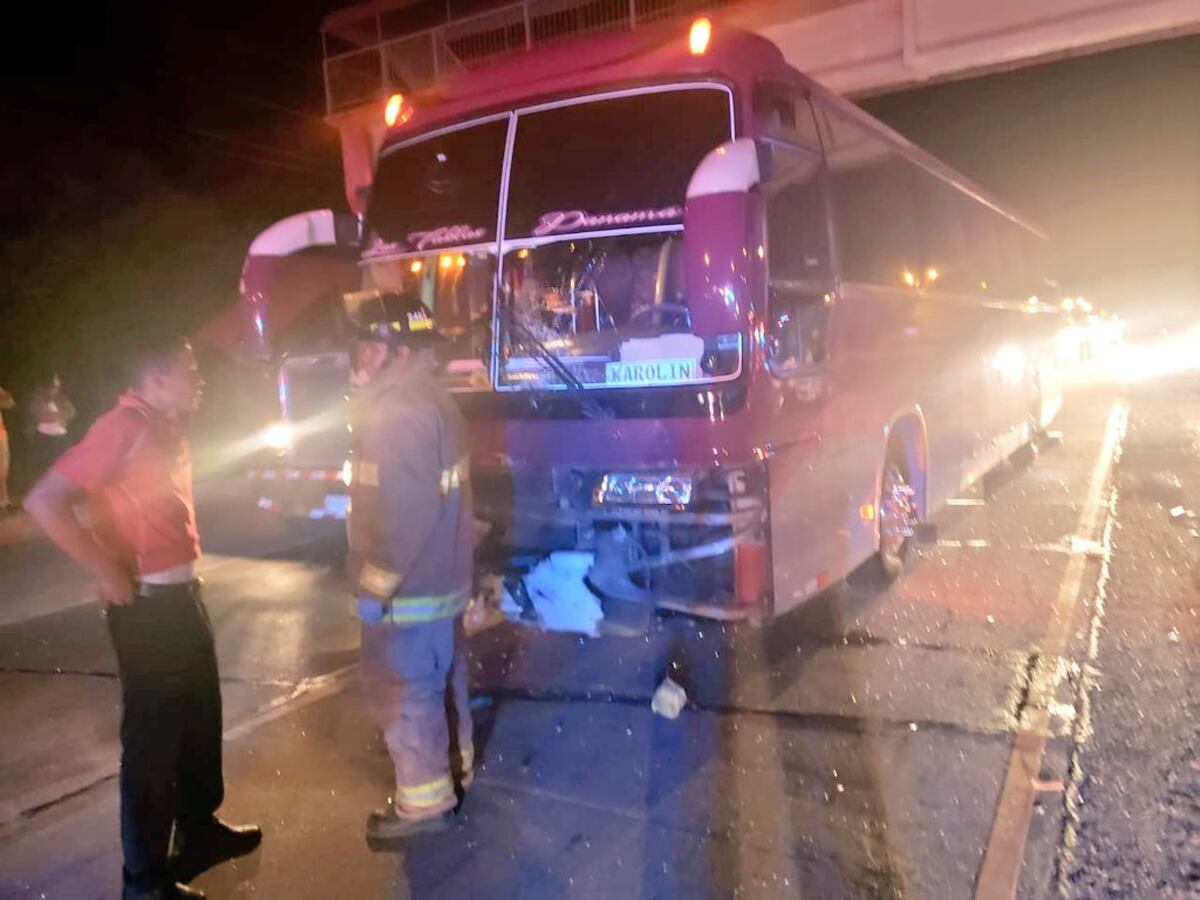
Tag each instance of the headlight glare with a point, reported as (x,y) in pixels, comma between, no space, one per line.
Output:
(644,489)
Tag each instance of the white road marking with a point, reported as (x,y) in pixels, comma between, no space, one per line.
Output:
(1005,852)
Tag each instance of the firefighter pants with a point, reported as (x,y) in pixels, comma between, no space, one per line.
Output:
(170,723)
(416,679)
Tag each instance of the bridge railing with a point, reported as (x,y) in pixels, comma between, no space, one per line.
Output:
(419,60)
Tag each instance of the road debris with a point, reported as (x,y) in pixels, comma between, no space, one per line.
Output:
(1090,549)
(669,699)
(560,599)
(1051,786)
(1181,515)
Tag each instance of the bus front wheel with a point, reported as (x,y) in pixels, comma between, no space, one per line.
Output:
(898,517)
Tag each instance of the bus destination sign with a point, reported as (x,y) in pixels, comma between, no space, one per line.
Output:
(652,371)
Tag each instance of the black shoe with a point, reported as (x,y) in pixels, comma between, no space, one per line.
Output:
(169,891)
(201,845)
(385,826)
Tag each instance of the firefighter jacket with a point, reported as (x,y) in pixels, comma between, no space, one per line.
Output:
(411,522)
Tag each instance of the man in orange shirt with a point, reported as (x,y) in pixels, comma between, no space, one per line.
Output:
(134,468)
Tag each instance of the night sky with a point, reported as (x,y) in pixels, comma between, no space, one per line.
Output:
(1102,151)
(144,150)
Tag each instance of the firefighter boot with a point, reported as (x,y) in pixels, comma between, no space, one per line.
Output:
(386,825)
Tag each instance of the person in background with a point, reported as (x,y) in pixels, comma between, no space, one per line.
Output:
(134,469)
(6,402)
(51,412)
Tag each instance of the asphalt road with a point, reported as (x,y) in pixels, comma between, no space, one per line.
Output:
(1019,709)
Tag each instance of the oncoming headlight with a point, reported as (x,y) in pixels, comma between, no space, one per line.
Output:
(667,489)
(278,436)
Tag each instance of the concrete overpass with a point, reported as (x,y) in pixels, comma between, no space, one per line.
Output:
(871,46)
(853,46)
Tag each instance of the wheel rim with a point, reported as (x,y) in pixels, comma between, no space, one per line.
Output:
(897,514)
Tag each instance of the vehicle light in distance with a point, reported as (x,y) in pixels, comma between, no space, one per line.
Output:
(644,489)
(278,436)
(347,473)
(1009,362)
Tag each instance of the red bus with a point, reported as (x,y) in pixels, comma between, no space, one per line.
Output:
(709,323)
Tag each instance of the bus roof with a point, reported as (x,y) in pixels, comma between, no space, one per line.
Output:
(651,55)
(588,64)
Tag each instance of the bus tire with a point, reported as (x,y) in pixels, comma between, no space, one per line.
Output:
(899,514)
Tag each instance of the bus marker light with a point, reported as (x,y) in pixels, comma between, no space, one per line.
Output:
(699,36)
(396,112)
(866,512)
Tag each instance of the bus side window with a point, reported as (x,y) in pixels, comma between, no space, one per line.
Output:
(798,261)
(878,226)
(783,112)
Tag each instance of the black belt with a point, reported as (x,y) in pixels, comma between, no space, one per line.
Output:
(157,591)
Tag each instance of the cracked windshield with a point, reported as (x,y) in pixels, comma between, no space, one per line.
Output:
(612,309)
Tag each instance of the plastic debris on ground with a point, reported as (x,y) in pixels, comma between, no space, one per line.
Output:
(559,595)
(1091,549)
(669,700)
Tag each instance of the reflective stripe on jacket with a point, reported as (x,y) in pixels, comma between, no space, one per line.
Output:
(405,610)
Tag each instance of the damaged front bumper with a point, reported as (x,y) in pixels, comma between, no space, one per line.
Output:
(708,557)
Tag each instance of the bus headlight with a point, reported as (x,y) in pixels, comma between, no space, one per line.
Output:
(644,489)
(278,436)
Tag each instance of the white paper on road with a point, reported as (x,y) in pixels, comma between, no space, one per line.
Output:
(561,598)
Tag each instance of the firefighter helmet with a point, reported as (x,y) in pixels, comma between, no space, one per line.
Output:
(391,318)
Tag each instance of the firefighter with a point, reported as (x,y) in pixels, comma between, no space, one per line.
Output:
(411,561)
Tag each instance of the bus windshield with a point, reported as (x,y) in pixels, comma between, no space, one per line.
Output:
(592,269)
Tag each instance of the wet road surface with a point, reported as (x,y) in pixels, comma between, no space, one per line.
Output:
(862,746)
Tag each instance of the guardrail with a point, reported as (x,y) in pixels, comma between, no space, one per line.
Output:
(419,60)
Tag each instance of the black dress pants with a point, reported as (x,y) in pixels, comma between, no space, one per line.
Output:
(170,723)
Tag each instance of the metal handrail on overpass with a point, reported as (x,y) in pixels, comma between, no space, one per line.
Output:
(853,46)
(417,60)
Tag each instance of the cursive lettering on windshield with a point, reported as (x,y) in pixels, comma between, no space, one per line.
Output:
(567,220)
(445,236)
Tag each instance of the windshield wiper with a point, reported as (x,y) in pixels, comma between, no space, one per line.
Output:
(548,358)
